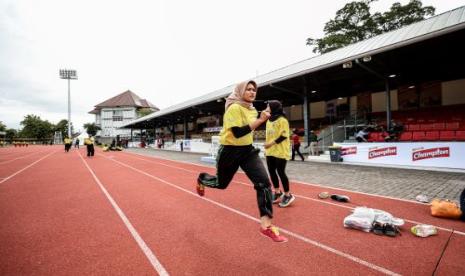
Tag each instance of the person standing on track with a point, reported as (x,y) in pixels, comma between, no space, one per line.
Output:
(89,145)
(68,142)
(278,151)
(236,150)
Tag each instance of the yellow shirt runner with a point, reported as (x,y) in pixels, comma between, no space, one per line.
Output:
(275,129)
(237,116)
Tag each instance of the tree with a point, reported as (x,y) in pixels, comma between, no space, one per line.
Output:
(11,133)
(34,127)
(62,127)
(354,22)
(91,128)
(144,112)
(2,126)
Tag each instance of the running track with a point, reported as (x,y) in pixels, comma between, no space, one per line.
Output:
(120,213)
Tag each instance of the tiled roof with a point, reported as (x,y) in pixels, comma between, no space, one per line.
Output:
(127,98)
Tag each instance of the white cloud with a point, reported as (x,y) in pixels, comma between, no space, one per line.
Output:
(164,51)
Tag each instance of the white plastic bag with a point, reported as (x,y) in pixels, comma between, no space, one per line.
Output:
(361,219)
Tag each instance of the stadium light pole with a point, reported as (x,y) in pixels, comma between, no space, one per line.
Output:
(68,75)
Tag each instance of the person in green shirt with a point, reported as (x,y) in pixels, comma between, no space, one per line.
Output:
(236,150)
(278,151)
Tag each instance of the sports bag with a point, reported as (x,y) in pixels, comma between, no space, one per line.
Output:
(445,209)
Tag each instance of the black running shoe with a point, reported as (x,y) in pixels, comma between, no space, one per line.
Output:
(287,200)
(277,197)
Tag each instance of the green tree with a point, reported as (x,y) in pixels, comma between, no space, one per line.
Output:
(144,112)
(11,133)
(2,126)
(35,127)
(62,126)
(91,128)
(354,22)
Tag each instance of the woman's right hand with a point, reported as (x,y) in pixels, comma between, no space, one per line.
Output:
(265,114)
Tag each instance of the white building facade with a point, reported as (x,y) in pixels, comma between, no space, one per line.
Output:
(116,111)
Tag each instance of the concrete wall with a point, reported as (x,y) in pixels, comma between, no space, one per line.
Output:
(453,92)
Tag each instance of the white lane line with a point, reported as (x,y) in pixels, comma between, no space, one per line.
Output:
(8,161)
(290,233)
(142,245)
(304,197)
(28,166)
(293,181)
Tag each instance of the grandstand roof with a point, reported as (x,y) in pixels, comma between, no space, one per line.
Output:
(442,24)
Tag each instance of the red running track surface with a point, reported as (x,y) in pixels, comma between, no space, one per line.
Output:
(121,213)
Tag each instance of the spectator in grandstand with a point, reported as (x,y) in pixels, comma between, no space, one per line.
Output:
(394,132)
(362,135)
(277,151)
(68,143)
(236,150)
(296,144)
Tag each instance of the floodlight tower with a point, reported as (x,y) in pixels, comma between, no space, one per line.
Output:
(69,75)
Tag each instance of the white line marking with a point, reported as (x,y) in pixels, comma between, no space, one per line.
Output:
(28,166)
(297,236)
(300,196)
(143,246)
(294,181)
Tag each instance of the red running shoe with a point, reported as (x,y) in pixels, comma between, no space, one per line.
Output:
(200,188)
(272,232)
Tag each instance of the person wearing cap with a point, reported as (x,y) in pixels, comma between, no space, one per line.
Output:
(277,151)
(236,150)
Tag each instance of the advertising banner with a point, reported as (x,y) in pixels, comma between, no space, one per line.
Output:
(422,154)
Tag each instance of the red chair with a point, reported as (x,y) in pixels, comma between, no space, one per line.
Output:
(439,126)
(372,136)
(460,135)
(418,136)
(432,136)
(406,136)
(426,126)
(413,127)
(447,135)
(381,137)
(452,125)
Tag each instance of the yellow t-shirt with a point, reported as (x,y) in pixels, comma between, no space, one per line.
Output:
(68,141)
(237,116)
(88,141)
(279,127)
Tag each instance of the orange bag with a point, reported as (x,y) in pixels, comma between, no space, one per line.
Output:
(445,209)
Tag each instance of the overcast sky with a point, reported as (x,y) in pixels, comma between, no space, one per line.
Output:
(164,51)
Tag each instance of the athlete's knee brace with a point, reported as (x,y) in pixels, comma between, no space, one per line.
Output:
(260,186)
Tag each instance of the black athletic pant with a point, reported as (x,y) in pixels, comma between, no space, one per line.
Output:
(296,148)
(90,150)
(228,161)
(274,165)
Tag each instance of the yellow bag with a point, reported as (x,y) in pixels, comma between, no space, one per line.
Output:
(445,209)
